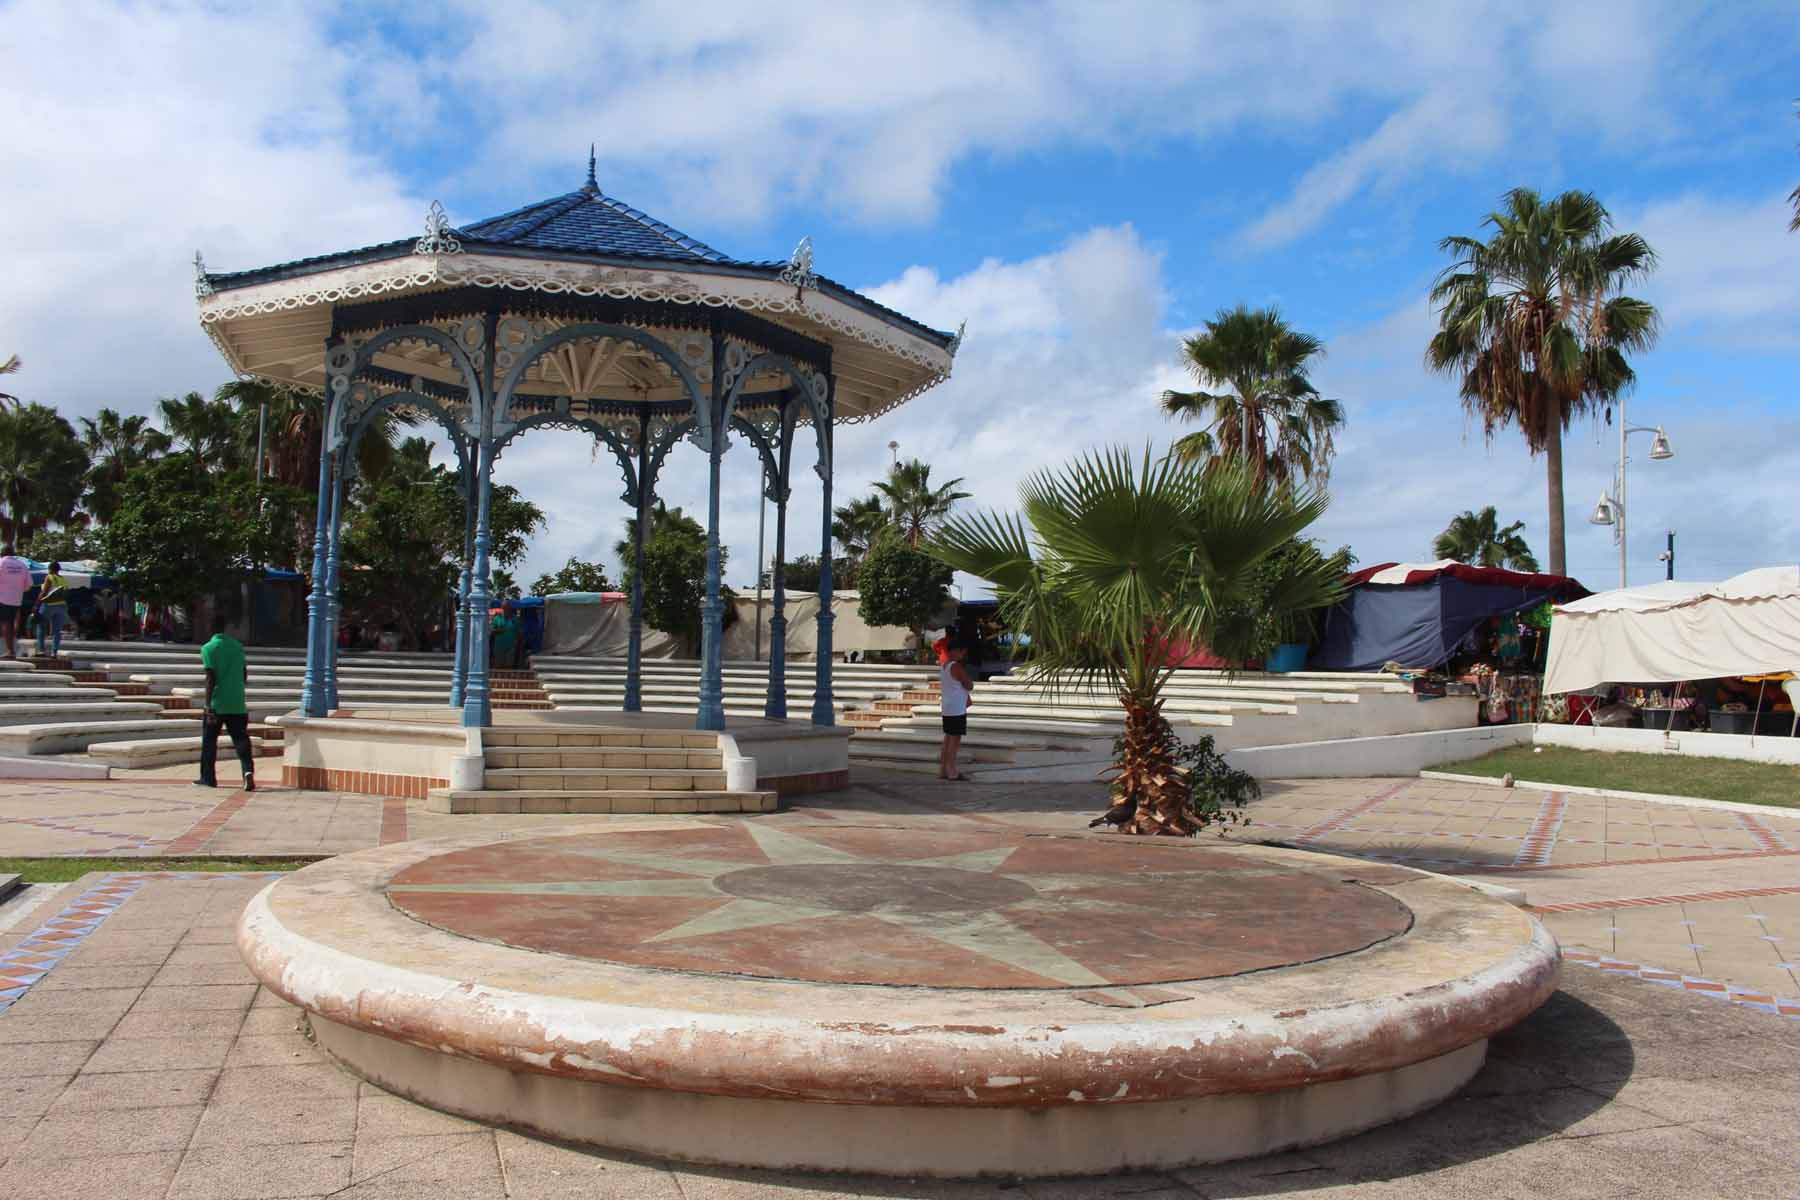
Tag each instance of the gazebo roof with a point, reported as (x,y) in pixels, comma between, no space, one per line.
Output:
(272,322)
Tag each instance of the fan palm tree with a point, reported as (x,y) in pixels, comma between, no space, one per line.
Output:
(10,367)
(1532,322)
(207,429)
(1111,563)
(1477,539)
(1264,410)
(116,444)
(914,507)
(43,471)
(856,526)
(295,428)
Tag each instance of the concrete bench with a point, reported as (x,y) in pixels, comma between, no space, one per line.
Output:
(170,751)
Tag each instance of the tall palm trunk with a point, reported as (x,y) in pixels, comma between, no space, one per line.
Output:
(1150,794)
(1553,469)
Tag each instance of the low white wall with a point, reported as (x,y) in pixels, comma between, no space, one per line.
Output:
(51,768)
(1654,741)
(378,747)
(1396,754)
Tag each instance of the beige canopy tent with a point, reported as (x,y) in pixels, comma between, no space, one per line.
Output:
(1674,632)
(595,624)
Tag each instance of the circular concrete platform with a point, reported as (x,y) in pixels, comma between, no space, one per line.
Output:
(834,996)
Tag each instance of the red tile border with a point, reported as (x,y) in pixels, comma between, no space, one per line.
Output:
(203,830)
(1765,837)
(1339,821)
(1541,838)
(393,820)
(1649,901)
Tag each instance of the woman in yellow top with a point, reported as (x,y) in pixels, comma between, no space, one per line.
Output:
(53,609)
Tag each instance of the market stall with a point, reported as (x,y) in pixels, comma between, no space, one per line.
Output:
(1726,651)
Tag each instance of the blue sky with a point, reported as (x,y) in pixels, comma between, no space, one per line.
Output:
(1081,182)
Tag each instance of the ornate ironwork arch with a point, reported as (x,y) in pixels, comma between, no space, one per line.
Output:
(557,420)
(362,357)
(697,400)
(759,438)
(662,438)
(363,417)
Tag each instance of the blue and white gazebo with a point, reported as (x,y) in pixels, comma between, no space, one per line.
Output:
(581,313)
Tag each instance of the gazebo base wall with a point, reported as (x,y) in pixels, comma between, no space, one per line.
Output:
(953,1142)
(416,752)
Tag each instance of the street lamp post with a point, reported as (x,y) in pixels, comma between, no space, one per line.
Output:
(1610,510)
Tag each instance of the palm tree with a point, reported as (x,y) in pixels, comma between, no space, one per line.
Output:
(1477,539)
(115,445)
(1110,564)
(43,471)
(914,507)
(1269,413)
(503,586)
(295,430)
(855,526)
(1533,323)
(207,429)
(10,367)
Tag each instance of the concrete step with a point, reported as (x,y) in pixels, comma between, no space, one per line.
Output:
(668,779)
(639,760)
(580,802)
(37,714)
(163,752)
(68,695)
(73,737)
(10,885)
(586,737)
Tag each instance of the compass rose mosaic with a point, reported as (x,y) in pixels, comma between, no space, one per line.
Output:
(880,905)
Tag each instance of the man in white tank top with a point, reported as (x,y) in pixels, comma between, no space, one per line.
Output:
(955,686)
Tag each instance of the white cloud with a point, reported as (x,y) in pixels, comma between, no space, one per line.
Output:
(1729,269)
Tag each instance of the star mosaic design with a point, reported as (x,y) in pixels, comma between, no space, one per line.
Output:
(888,906)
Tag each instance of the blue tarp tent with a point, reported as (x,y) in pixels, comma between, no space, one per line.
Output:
(1416,614)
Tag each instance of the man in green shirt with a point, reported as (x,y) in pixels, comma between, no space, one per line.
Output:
(226,675)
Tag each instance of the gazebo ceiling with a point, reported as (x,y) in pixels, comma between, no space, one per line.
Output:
(575,258)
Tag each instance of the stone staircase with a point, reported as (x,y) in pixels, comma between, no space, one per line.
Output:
(545,768)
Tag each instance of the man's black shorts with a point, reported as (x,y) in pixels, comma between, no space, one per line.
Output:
(9,614)
(956,726)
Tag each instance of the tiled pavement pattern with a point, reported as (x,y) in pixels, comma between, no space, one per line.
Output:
(1626,863)
(148,1064)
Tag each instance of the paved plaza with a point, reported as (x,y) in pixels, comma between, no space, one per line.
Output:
(141,1059)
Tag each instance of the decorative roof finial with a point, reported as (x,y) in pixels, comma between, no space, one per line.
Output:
(202,285)
(592,182)
(799,271)
(956,342)
(439,237)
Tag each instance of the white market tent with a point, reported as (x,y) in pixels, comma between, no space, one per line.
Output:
(1674,632)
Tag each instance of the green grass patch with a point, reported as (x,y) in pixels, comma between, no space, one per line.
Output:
(62,870)
(1668,775)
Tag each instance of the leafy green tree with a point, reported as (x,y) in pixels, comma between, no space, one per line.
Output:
(856,525)
(43,471)
(59,545)
(898,585)
(1111,562)
(404,538)
(914,507)
(116,445)
(180,533)
(1533,324)
(1265,608)
(802,574)
(1263,408)
(1476,538)
(502,586)
(674,575)
(574,576)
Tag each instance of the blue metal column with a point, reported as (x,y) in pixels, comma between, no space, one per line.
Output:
(334,557)
(312,688)
(775,707)
(459,673)
(712,618)
(476,710)
(634,634)
(824,710)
